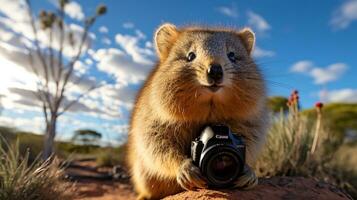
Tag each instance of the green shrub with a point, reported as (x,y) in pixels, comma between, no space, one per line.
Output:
(36,181)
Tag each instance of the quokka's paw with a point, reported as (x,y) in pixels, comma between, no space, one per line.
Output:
(190,177)
(248,180)
(141,197)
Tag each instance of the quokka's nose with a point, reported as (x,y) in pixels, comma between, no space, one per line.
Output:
(215,72)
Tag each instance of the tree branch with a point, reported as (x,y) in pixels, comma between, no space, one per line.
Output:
(71,66)
(51,66)
(36,41)
(37,94)
(33,68)
(40,85)
(38,48)
(60,52)
(79,98)
(76,58)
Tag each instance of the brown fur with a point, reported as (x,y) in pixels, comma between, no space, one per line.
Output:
(173,104)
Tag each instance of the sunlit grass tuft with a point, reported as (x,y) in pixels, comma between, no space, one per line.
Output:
(39,180)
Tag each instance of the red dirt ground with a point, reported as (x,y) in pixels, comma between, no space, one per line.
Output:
(104,190)
(270,188)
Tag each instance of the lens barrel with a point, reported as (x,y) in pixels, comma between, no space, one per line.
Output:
(221,165)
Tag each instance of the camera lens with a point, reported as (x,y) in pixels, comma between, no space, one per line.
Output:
(223,167)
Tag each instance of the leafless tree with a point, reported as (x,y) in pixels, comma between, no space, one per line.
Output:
(53,69)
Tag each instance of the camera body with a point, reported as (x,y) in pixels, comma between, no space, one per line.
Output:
(220,155)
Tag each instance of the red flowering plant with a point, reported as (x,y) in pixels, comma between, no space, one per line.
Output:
(297,145)
(318,107)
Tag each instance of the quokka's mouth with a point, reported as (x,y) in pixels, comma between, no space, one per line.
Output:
(214,87)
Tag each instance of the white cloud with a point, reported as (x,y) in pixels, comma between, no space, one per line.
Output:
(140,34)
(43,37)
(344,15)
(88,61)
(80,67)
(259,52)
(130,44)
(302,66)
(125,69)
(34,124)
(129,64)
(14,9)
(257,22)
(103,29)
(17,25)
(346,95)
(13,54)
(123,128)
(14,74)
(19,84)
(149,45)
(320,75)
(74,10)
(106,41)
(26,97)
(128,25)
(115,96)
(228,11)
(328,74)
(19,59)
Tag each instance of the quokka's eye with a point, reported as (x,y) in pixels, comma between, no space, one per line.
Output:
(191,56)
(232,56)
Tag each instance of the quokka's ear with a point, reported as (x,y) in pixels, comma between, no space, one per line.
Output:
(248,38)
(164,38)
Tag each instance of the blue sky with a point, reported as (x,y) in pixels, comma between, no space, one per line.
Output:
(306,45)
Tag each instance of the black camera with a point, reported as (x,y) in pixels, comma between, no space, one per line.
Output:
(220,155)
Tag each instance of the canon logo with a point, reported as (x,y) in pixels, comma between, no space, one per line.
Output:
(222,136)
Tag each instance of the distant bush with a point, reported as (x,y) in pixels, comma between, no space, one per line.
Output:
(30,143)
(106,159)
(66,148)
(111,156)
(86,137)
(39,180)
(289,149)
(7,134)
(277,103)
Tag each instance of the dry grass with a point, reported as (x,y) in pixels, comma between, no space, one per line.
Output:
(40,180)
(289,150)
